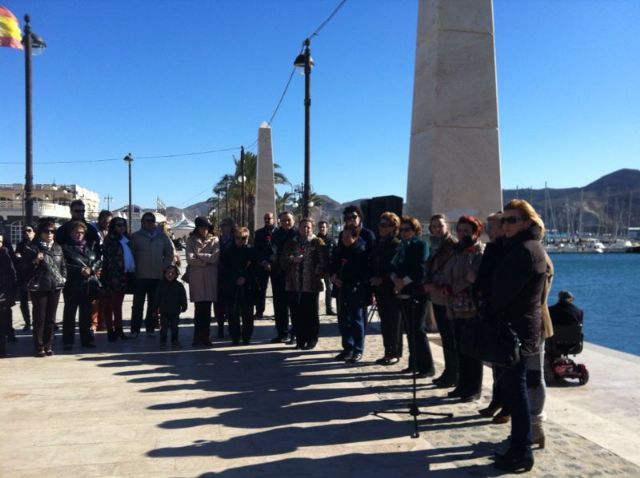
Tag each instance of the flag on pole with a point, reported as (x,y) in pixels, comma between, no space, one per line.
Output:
(10,34)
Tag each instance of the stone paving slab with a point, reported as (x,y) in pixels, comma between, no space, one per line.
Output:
(132,409)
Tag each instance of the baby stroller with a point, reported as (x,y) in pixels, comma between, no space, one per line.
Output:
(567,340)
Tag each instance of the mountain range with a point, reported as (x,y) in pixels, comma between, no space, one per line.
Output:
(607,205)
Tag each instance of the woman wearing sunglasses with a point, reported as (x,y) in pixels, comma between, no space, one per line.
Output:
(516,298)
(47,277)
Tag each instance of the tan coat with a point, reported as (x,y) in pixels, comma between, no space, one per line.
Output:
(202,259)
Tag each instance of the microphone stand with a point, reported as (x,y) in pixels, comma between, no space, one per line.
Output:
(413,410)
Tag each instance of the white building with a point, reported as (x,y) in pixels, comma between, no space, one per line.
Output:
(49,200)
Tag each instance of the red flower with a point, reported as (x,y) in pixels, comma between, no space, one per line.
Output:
(343,261)
(268,238)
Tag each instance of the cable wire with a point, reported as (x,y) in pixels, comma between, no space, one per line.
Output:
(324,24)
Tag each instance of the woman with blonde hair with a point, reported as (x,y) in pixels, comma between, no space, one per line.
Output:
(515,298)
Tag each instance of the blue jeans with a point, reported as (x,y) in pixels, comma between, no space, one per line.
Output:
(516,396)
(351,322)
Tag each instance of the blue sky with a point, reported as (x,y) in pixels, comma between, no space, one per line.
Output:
(167,76)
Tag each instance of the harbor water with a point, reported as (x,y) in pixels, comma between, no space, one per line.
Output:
(607,288)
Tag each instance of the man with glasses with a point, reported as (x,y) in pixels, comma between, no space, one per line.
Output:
(153,253)
(281,235)
(352,215)
(63,234)
(23,269)
(262,244)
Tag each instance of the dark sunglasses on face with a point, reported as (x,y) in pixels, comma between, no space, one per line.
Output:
(49,231)
(28,230)
(351,216)
(406,229)
(149,220)
(511,219)
(384,224)
(242,238)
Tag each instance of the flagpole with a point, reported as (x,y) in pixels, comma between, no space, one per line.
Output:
(28,177)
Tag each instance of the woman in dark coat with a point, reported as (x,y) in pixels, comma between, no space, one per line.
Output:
(408,277)
(8,292)
(350,274)
(384,249)
(82,268)
(46,279)
(22,270)
(237,285)
(516,298)
(118,269)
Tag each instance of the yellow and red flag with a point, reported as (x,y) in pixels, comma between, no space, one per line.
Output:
(10,34)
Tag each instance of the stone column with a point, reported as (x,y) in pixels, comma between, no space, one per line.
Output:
(265,183)
(454,158)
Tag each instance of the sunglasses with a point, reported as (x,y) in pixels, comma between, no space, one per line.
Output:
(384,224)
(242,238)
(28,230)
(351,216)
(406,229)
(49,231)
(511,219)
(149,220)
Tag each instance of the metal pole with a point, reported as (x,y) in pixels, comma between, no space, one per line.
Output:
(28,177)
(129,159)
(307,119)
(242,185)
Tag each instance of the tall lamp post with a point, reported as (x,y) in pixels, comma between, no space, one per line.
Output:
(129,159)
(305,62)
(31,42)
(242,179)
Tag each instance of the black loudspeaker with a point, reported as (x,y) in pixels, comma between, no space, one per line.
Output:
(372,208)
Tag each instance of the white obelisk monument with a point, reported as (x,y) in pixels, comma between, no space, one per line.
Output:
(265,183)
(454,158)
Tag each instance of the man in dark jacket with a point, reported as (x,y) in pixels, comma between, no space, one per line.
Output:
(565,312)
(262,244)
(63,233)
(281,235)
(330,244)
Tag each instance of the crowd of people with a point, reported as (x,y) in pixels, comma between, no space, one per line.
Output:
(449,280)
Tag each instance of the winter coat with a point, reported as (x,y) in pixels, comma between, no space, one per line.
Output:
(547,324)
(202,258)
(113,276)
(262,242)
(383,251)
(278,240)
(51,273)
(153,254)
(76,260)
(307,275)
(170,298)
(23,266)
(460,274)
(517,285)
(408,265)
(351,265)
(237,262)
(8,280)
(440,253)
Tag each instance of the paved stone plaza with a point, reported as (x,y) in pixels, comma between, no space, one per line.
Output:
(133,409)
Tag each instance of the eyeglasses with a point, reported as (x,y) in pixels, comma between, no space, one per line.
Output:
(385,224)
(406,229)
(28,230)
(49,231)
(511,219)
(351,216)
(242,238)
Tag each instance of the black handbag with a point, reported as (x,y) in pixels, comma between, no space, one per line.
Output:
(94,288)
(492,341)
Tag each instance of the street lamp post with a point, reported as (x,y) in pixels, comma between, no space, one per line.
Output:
(129,159)
(242,179)
(305,61)
(30,41)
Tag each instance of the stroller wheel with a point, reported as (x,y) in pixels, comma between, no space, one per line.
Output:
(584,375)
